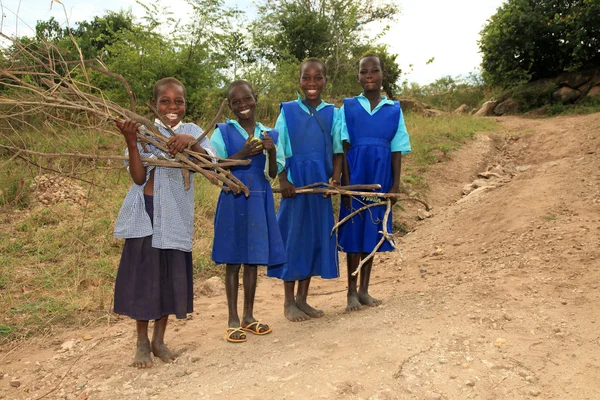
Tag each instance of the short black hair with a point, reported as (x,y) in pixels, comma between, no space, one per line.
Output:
(373,55)
(166,81)
(314,60)
(386,85)
(240,82)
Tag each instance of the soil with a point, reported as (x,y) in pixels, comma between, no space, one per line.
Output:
(496,297)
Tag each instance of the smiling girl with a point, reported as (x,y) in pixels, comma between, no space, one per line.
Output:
(246,231)
(306,128)
(156,220)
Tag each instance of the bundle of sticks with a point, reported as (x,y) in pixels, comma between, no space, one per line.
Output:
(44,83)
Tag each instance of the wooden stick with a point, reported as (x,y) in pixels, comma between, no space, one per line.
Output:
(352,214)
(386,236)
(210,127)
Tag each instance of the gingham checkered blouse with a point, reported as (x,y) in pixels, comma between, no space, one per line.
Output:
(173,223)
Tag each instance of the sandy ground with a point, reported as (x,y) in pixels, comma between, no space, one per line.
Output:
(496,298)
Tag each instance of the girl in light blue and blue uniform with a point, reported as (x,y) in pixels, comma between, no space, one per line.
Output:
(374,138)
(306,128)
(246,231)
(156,220)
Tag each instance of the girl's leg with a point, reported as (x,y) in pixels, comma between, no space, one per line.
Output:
(352,261)
(142,355)
(250,274)
(232,276)
(301,300)
(290,309)
(159,349)
(363,291)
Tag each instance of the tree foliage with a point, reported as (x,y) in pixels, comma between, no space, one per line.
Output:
(216,47)
(528,40)
(289,31)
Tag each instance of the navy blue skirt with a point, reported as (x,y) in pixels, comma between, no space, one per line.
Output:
(152,283)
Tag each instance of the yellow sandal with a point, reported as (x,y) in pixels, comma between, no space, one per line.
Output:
(255,327)
(231,331)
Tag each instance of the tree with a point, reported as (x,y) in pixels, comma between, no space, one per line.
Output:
(528,40)
(290,31)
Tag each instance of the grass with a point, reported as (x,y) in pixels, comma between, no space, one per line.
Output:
(58,262)
(432,139)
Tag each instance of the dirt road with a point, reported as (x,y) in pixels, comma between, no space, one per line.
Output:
(497,297)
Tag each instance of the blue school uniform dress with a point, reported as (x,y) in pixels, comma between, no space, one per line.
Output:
(373,136)
(246,230)
(306,220)
(155,272)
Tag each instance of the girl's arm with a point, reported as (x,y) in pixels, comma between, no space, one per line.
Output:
(396,170)
(345,173)
(269,145)
(287,188)
(136,167)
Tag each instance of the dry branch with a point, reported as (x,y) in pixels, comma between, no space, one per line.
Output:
(43,83)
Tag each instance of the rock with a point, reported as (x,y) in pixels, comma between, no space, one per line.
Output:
(508,106)
(488,175)
(486,109)
(594,92)
(438,252)
(534,392)
(566,95)
(423,214)
(212,287)
(68,345)
(463,109)
(409,104)
(470,382)
(432,112)
(467,189)
(479,183)
(500,342)
(15,383)
(522,168)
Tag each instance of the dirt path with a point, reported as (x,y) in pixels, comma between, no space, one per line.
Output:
(497,298)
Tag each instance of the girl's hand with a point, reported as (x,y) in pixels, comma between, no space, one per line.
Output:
(268,143)
(178,143)
(251,148)
(287,189)
(394,189)
(129,129)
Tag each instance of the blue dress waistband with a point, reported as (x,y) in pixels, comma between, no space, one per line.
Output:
(370,141)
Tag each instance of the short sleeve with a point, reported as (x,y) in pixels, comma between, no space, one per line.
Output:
(344,135)
(284,139)
(218,144)
(336,133)
(401,141)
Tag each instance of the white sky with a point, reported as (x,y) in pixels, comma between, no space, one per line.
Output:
(444,29)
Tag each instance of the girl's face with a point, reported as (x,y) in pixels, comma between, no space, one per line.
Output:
(370,75)
(170,103)
(312,80)
(242,102)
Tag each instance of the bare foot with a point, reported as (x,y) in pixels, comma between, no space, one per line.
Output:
(367,300)
(161,351)
(293,313)
(142,356)
(308,310)
(353,302)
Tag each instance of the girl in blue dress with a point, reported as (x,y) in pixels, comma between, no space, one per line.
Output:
(246,230)
(305,129)
(374,138)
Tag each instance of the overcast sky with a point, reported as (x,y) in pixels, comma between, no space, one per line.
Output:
(446,30)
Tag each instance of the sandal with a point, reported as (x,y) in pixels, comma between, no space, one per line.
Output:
(255,328)
(231,331)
